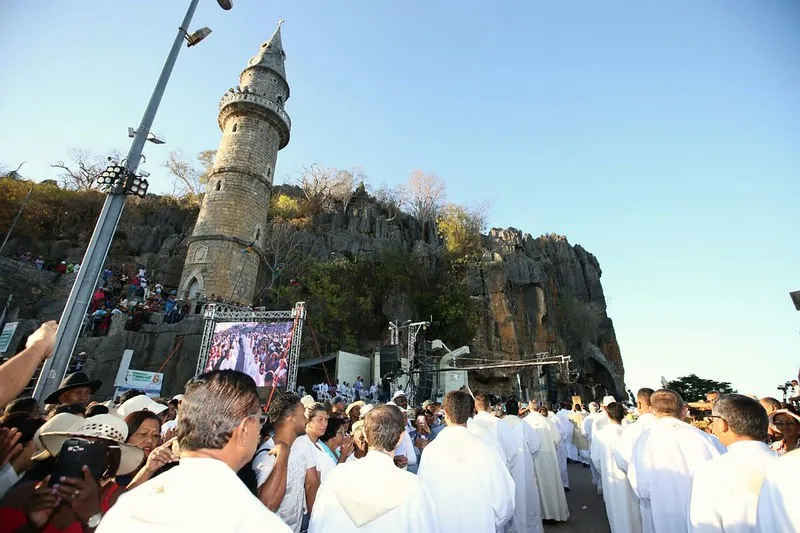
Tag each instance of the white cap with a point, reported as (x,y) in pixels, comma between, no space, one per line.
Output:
(178,397)
(398,394)
(608,400)
(307,401)
(140,403)
(366,409)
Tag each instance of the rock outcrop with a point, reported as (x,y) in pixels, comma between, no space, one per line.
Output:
(523,286)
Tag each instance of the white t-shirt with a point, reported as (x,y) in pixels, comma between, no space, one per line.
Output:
(322,460)
(292,506)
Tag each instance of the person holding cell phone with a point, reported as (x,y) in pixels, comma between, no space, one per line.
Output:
(81,487)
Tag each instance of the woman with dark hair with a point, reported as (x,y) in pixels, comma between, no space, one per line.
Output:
(144,432)
(335,442)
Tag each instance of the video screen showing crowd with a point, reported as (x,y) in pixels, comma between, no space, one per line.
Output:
(259,349)
(468,464)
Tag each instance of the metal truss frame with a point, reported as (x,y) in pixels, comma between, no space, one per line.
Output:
(230,313)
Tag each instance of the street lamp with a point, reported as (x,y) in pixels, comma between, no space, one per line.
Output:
(118,181)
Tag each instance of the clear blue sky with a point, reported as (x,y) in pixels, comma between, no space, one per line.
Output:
(662,136)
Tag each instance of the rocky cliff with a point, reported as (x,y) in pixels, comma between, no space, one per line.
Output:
(533,295)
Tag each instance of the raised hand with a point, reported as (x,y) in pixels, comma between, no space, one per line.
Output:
(82,494)
(9,444)
(41,504)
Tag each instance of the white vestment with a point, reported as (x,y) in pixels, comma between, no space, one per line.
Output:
(467,481)
(522,444)
(551,491)
(725,489)
(664,459)
(174,501)
(622,505)
(487,432)
(777,502)
(569,427)
(373,495)
(588,425)
(623,449)
(564,426)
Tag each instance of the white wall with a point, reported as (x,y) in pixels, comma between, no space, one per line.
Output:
(349,366)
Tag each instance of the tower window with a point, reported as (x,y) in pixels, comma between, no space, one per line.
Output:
(279,99)
(258,233)
(269,172)
(219,185)
(235,127)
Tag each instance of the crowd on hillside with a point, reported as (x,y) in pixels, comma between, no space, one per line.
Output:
(60,266)
(471,463)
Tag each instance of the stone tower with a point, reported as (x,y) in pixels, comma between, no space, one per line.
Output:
(228,239)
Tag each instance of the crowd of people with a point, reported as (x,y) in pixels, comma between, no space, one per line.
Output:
(472,463)
(60,266)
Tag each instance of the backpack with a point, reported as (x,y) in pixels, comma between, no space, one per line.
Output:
(248,475)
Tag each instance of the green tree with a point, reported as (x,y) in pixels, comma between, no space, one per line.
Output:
(461,226)
(693,388)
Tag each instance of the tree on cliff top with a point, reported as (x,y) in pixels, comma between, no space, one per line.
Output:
(461,227)
(84,168)
(189,178)
(424,195)
(693,388)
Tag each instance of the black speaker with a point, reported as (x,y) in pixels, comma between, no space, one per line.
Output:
(390,361)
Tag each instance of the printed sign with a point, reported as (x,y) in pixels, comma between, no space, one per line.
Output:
(7,335)
(147,382)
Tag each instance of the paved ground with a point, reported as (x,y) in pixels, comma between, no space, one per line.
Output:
(587,512)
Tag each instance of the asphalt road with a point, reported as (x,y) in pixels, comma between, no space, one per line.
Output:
(587,512)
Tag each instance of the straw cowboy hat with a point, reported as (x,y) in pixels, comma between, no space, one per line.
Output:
(350,407)
(140,403)
(62,422)
(73,381)
(106,427)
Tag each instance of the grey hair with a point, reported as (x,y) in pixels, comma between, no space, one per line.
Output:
(744,415)
(214,404)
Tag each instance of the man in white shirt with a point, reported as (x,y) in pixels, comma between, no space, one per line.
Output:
(588,425)
(282,465)
(219,417)
(372,494)
(622,506)
(725,489)
(777,502)
(405,455)
(484,425)
(664,459)
(468,481)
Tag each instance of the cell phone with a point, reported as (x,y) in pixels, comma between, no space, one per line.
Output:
(74,454)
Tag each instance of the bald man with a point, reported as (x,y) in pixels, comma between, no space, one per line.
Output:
(663,461)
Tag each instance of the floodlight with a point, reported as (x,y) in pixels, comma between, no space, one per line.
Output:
(155,138)
(225,4)
(197,36)
(131,132)
(144,173)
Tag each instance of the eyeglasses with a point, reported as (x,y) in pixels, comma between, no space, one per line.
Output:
(784,423)
(710,418)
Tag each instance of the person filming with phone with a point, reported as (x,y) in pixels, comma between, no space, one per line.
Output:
(81,487)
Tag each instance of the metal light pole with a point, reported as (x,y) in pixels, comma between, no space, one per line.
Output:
(75,310)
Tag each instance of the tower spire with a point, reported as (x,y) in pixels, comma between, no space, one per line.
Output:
(271,55)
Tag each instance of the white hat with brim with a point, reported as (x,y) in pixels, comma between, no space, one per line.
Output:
(350,407)
(366,409)
(105,427)
(307,401)
(608,400)
(140,403)
(62,422)
(783,412)
(397,394)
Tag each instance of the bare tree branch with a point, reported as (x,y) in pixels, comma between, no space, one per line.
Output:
(343,188)
(424,195)
(189,178)
(82,172)
(316,182)
(283,246)
(392,198)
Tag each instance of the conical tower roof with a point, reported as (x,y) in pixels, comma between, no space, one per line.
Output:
(271,54)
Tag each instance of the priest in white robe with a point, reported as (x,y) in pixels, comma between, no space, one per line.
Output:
(622,506)
(468,482)
(564,424)
(663,461)
(777,502)
(588,424)
(522,444)
(579,439)
(566,414)
(372,494)
(548,479)
(484,425)
(725,489)
(623,448)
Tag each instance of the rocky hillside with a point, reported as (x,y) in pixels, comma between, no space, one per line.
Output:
(525,296)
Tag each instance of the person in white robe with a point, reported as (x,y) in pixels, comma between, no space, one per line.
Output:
(564,425)
(579,439)
(664,459)
(484,425)
(405,454)
(725,489)
(622,506)
(522,444)
(469,483)
(777,501)
(588,424)
(602,420)
(623,448)
(552,499)
(396,501)
(566,414)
